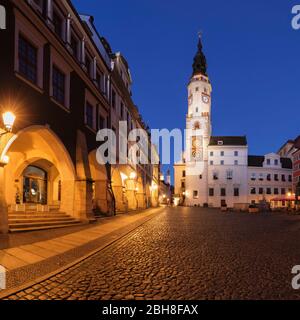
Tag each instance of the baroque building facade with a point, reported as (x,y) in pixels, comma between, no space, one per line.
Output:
(63,82)
(217,171)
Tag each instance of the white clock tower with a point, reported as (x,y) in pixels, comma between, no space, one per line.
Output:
(198,125)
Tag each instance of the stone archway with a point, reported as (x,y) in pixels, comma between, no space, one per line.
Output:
(39,183)
(39,146)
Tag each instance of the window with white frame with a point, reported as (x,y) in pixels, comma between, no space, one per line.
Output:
(58,22)
(29,52)
(229,174)
(215,175)
(74,45)
(59,80)
(58,85)
(88,64)
(28,60)
(90,115)
(102,122)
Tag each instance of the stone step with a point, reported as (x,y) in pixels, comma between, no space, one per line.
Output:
(38,225)
(30,221)
(22,215)
(39,219)
(35,228)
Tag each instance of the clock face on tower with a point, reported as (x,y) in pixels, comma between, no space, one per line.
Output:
(205,99)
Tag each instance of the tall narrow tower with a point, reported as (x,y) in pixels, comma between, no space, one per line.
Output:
(198,125)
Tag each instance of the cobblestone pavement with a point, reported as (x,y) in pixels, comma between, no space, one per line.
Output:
(188,253)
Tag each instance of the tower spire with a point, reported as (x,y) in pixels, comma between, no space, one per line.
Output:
(200,65)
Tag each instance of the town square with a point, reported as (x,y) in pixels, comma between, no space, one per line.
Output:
(149,152)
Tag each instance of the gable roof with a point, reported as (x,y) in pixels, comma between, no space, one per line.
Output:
(228,141)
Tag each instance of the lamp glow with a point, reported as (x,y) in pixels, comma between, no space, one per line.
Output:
(8,120)
(5,159)
(132,175)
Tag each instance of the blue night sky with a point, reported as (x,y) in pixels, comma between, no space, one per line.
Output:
(253,59)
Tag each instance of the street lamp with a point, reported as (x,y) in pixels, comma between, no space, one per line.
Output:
(8,121)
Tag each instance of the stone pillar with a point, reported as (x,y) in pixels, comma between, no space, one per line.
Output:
(83,201)
(67,197)
(131,194)
(132,200)
(121,204)
(3,204)
(141,204)
(101,196)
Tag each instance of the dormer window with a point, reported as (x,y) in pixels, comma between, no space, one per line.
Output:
(220,143)
(268,162)
(276,162)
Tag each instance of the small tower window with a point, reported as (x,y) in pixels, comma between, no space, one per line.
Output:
(197,125)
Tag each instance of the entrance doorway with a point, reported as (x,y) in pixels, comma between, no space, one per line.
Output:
(35,185)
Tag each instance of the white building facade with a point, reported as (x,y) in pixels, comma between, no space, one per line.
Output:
(216,171)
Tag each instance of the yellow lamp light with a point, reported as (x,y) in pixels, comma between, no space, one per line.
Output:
(132,175)
(8,120)
(5,159)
